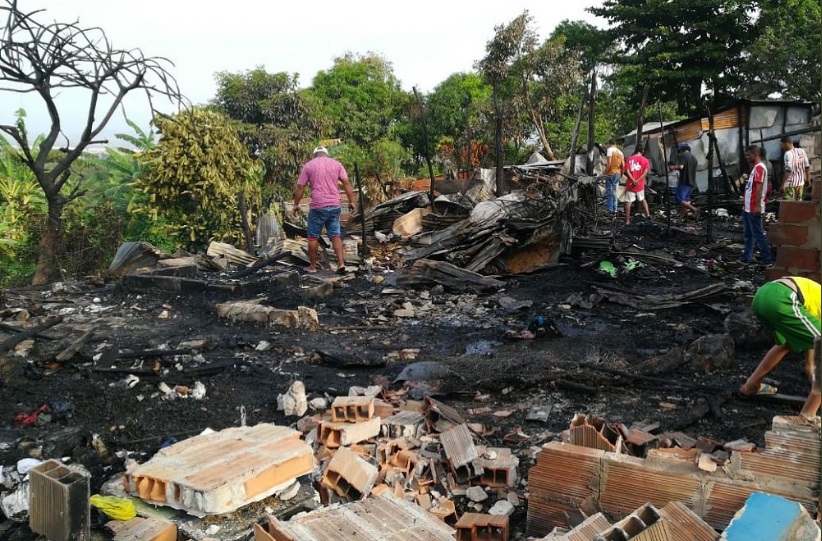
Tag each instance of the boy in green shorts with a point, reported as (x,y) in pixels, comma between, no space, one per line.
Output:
(790,307)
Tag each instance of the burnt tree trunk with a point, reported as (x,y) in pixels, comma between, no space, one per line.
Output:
(47,261)
(498,148)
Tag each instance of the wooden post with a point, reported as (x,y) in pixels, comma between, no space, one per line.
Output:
(249,244)
(427,148)
(711,137)
(592,98)
(665,164)
(640,121)
(573,152)
(364,246)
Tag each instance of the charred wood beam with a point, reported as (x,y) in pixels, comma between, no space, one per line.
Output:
(258,266)
(16,330)
(662,382)
(152,353)
(74,347)
(9,343)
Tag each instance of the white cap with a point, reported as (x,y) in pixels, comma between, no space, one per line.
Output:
(319,150)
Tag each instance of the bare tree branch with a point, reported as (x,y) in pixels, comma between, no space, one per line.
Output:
(44,58)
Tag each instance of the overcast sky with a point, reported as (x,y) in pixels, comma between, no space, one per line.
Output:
(425,40)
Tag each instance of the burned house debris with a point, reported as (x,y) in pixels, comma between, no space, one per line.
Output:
(229,395)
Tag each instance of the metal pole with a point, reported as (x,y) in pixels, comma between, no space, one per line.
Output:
(665,164)
(363,247)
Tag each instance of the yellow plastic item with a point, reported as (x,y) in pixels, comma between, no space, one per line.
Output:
(114,508)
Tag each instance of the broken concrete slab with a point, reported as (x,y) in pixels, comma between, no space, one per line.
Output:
(766,517)
(381,518)
(254,312)
(222,471)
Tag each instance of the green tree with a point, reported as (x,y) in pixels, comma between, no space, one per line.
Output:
(679,47)
(275,119)
(458,116)
(45,59)
(584,42)
(511,43)
(360,99)
(783,57)
(547,78)
(193,176)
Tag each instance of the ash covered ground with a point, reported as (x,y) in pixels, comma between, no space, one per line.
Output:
(492,380)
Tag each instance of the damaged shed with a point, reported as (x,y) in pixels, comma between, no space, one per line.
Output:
(746,122)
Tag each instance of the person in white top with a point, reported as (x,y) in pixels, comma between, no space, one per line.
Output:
(797,170)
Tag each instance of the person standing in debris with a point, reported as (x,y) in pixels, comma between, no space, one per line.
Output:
(686,165)
(797,170)
(756,189)
(636,168)
(323,174)
(613,172)
(790,308)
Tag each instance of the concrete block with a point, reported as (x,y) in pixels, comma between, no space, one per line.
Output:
(766,517)
(350,475)
(404,424)
(59,506)
(334,435)
(499,468)
(477,526)
(352,409)
(254,312)
(220,472)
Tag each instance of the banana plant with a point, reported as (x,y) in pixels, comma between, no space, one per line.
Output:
(19,193)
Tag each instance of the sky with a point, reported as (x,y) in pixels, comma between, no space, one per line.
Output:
(424,40)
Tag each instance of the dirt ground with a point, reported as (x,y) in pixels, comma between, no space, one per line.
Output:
(464,331)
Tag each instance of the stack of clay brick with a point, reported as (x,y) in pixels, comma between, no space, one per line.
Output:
(591,470)
(421,452)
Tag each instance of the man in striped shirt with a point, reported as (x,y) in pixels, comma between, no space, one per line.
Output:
(797,170)
(756,189)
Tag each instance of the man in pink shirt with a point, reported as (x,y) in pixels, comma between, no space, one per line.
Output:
(323,174)
(636,168)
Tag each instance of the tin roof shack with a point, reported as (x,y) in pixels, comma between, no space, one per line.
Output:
(736,126)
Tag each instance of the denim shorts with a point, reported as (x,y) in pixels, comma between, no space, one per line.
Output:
(328,217)
(683,193)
